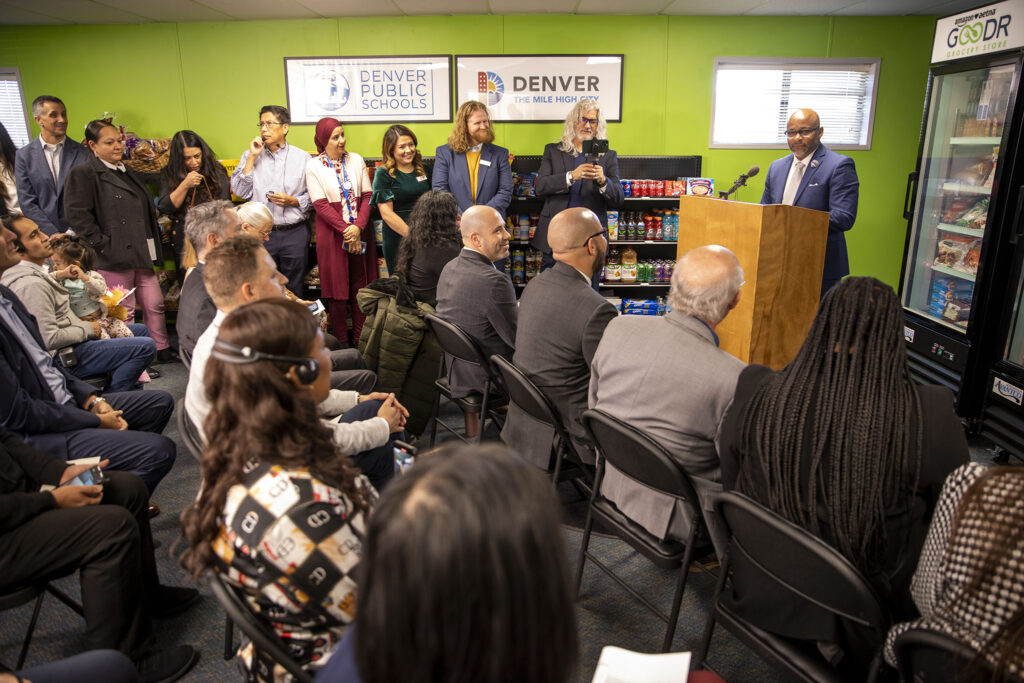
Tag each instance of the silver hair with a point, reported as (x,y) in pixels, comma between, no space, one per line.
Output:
(568,143)
(708,301)
(256,214)
(206,219)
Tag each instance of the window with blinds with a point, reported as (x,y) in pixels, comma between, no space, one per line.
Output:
(13,113)
(752,100)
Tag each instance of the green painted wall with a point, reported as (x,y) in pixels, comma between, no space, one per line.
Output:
(213,77)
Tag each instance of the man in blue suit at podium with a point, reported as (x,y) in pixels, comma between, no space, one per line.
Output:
(815,177)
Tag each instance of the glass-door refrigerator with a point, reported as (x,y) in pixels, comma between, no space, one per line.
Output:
(963,199)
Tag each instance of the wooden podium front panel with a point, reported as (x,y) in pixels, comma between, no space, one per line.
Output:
(782,252)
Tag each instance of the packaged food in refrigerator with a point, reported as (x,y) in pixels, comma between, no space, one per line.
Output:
(958,310)
(976,172)
(975,216)
(962,253)
(958,208)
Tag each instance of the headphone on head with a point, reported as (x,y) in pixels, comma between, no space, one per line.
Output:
(306,369)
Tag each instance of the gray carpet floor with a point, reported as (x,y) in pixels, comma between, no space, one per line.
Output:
(606,615)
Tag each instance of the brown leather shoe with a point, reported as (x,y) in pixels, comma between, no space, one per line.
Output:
(153,511)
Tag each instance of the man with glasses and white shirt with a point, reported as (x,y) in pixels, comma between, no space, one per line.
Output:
(815,177)
(568,177)
(273,173)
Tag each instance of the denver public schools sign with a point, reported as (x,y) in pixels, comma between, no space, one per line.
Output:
(982,31)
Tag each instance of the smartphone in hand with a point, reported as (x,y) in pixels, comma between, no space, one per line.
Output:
(90,477)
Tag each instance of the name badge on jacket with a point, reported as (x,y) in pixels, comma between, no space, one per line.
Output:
(485,162)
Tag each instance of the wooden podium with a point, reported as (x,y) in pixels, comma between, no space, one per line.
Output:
(782,251)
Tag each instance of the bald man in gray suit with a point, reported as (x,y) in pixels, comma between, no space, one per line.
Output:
(561,321)
(474,295)
(667,377)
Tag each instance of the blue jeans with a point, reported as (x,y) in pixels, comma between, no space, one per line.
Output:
(378,464)
(125,357)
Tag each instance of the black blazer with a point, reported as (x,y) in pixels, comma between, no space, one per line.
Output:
(551,185)
(114,212)
(27,405)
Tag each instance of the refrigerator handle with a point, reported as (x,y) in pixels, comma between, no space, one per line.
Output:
(908,211)
(1018,228)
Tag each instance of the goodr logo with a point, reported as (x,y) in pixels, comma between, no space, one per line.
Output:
(993,28)
(490,85)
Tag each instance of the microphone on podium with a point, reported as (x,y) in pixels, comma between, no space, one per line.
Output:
(740,182)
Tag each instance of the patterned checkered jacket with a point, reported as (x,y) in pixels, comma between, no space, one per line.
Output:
(292,543)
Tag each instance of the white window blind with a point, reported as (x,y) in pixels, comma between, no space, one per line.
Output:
(754,98)
(12,106)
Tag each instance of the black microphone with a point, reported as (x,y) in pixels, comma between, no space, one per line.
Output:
(741,181)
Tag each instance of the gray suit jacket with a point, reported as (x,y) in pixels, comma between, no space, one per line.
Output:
(666,377)
(41,199)
(482,301)
(561,321)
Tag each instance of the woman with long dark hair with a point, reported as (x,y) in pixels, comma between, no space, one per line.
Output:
(8,187)
(432,242)
(109,205)
(481,531)
(269,467)
(192,176)
(397,184)
(843,443)
(346,248)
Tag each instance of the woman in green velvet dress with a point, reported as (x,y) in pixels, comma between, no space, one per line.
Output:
(396,187)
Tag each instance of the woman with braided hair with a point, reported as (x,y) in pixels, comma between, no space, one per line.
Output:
(842,443)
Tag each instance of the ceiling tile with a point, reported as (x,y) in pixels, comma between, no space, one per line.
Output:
(15,16)
(424,7)
(256,10)
(797,7)
(532,6)
(906,7)
(169,10)
(941,9)
(711,7)
(79,11)
(353,8)
(621,7)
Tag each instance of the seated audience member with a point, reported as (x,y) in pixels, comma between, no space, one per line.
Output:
(241,271)
(968,583)
(561,321)
(56,412)
(676,390)
(493,599)
(432,242)
(474,295)
(206,226)
(844,444)
(348,366)
(109,666)
(101,531)
(281,510)
(50,304)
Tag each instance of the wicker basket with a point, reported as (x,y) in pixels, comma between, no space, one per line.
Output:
(148,165)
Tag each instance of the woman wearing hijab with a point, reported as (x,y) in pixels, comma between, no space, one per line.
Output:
(346,249)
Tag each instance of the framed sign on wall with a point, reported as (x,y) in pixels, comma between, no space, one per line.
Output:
(539,88)
(380,89)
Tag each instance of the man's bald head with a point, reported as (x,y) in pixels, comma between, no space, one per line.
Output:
(570,229)
(803,132)
(706,283)
(483,229)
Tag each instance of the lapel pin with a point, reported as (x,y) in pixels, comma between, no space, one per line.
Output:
(815,163)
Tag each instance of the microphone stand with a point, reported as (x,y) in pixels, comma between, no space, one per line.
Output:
(740,182)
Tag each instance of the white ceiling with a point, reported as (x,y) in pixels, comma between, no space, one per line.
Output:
(32,12)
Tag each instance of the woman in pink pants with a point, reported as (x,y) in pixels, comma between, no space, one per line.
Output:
(108,205)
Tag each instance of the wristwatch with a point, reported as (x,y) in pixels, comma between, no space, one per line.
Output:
(90,404)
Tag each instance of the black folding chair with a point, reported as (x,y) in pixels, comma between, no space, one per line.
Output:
(16,597)
(189,432)
(523,393)
(259,632)
(643,460)
(926,656)
(456,343)
(804,567)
